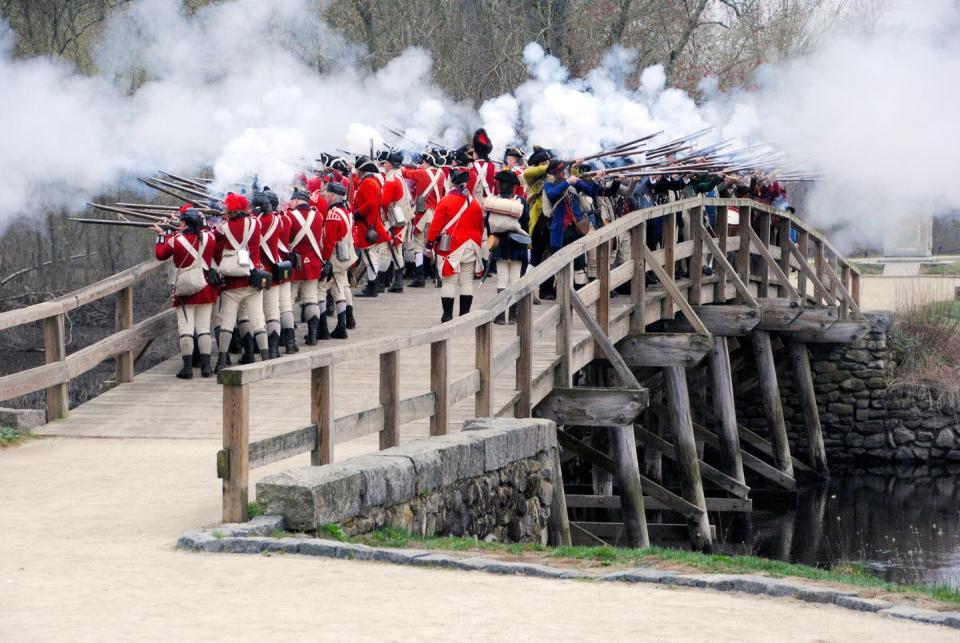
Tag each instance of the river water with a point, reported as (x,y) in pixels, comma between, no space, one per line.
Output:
(902,524)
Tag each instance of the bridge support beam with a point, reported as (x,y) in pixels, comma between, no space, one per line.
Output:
(685,449)
(628,481)
(718,361)
(772,406)
(808,402)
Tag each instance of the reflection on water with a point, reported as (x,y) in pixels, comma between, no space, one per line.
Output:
(904,525)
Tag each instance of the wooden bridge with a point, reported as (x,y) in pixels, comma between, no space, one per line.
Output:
(632,359)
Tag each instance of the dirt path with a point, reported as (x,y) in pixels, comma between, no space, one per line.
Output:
(87,528)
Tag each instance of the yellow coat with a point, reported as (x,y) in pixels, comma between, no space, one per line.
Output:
(534,178)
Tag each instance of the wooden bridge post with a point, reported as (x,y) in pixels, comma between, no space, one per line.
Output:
(742,260)
(803,243)
(763,231)
(524,381)
(628,481)
(785,228)
(855,287)
(483,402)
(440,383)
(718,361)
(638,282)
(603,277)
(321,414)
(695,296)
(669,259)
(772,407)
(564,280)
(808,402)
(685,448)
(55,350)
(235,470)
(723,233)
(818,265)
(124,315)
(390,399)
(844,312)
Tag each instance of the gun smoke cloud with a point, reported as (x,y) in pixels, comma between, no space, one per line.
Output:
(254,88)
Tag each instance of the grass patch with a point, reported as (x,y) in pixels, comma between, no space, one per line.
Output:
(941,269)
(850,574)
(255,509)
(869,268)
(10,437)
(333,531)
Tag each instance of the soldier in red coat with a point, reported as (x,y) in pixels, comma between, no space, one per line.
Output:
(430,183)
(191,250)
(456,234)
(337,251)
(513,161)
(306,228)
(272,229)
(368,225)
(482,169)
(397,208)
(237,255)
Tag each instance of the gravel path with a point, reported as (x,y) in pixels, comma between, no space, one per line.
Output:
(88,526)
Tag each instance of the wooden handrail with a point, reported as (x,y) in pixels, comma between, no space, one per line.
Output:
(60,368)
(286,365)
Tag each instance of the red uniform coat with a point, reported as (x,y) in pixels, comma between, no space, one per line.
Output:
(253,247)
(336,226)
(518,190)
(424,177)
(366,207)
(482,171)
(304,224)
(171,247)
(469,227)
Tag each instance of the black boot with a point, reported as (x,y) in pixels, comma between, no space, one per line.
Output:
(340,332)
(499,319)
(186,373)
(383,280)
(195,359)
(370,290)
(513,314)
(249,350)
(447,303)
(322,331)
(223,360)
(351,322)
(236,345)
(418,280)
(331,310)
(290,340)
(312,325)
(264,355)
(465,301)
(273,345)
(397,281)
(205,370)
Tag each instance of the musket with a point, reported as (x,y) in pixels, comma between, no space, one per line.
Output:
(184,189)
(150,207)
(131,224)
(173,193)
(637,140)
(186,182)
(129,213)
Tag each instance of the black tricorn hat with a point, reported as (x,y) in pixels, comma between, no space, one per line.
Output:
(481,143)
(506,176)
(514,151)
(300,195)
(539,155)
(395,157)
(461,158)
(382,155)
(363,164)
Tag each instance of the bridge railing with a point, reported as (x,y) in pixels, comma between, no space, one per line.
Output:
(830,279)
(59,368)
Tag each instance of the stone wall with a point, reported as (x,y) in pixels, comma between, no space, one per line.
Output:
(494,479)
(863,417)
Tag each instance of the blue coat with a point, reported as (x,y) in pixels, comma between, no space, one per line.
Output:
(556,193)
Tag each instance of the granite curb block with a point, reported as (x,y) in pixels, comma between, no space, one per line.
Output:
(253,538)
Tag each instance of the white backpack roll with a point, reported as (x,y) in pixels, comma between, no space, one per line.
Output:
(503,215)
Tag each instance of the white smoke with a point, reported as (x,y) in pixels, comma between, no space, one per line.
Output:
(246,87)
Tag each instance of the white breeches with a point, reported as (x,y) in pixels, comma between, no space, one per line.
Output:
(508,272)
(459,283)
(230,302)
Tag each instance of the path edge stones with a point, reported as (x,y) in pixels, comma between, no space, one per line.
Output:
(254,537)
